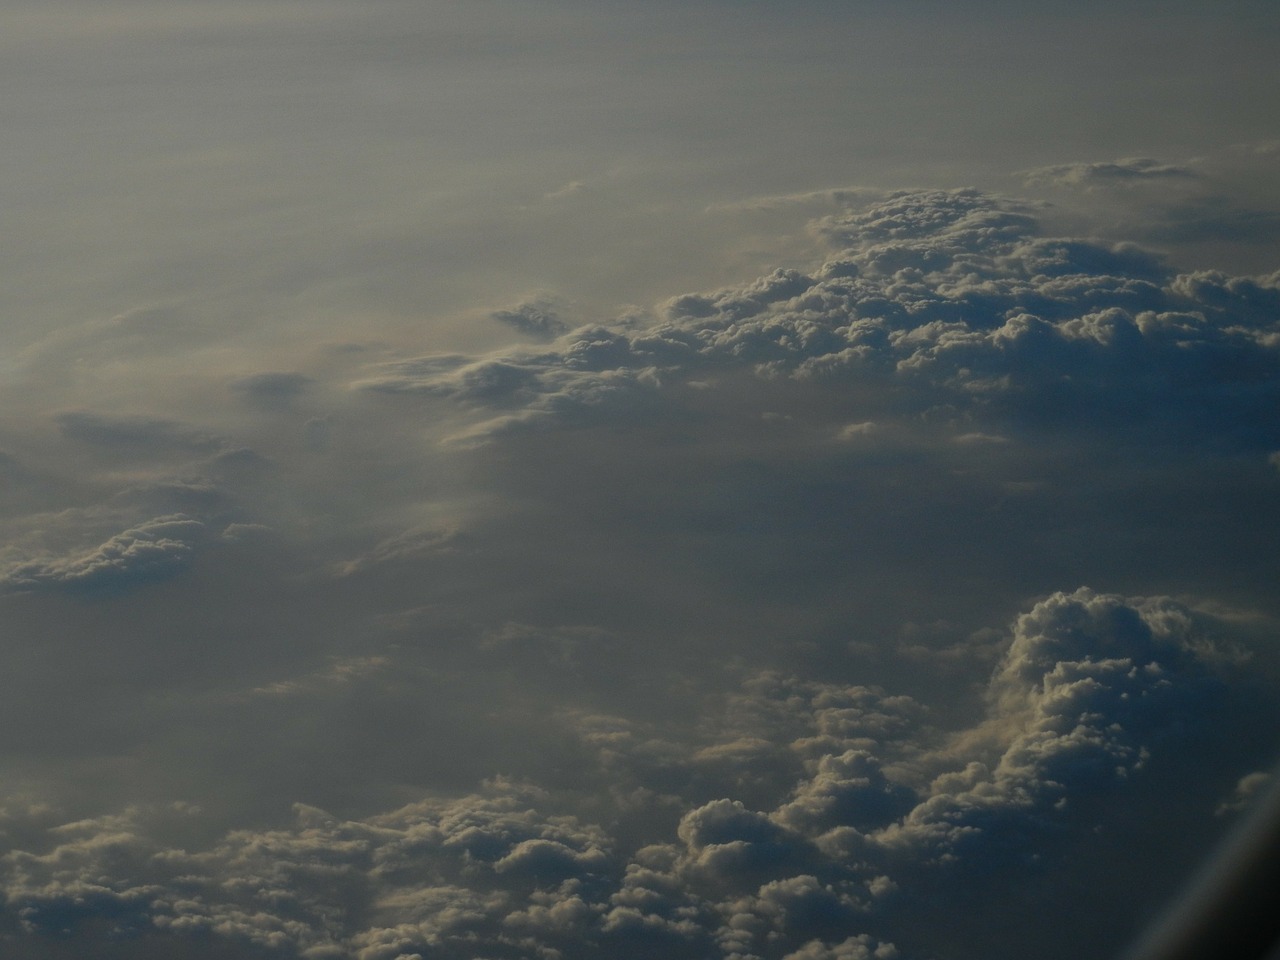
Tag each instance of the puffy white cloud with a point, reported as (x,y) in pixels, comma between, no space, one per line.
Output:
(404,416)
(848,789)
(536,318)
(324,887)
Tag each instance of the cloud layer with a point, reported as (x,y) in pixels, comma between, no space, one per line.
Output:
(746,627)
(524,481)
(953,306)
(1096,699)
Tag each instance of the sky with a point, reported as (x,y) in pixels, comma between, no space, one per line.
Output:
(560,479)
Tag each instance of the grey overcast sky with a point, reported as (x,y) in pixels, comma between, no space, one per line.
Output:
(726,480)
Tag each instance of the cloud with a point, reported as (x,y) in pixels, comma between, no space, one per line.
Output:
(661,580)
(1101,174)
(1090,685)
(1247,790)
(1092,689)
(815,200)
(1213,219)
(854,948)
(293,891)
(443,519)
(1210,211)
(339,673)
(536,318)
(152,550)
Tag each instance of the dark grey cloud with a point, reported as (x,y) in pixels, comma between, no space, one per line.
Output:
(539,319)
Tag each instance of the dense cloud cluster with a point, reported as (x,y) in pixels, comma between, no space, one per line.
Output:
(1091,690)
(954,309)
(686,552)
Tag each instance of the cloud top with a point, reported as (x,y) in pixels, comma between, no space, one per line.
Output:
(1093,689)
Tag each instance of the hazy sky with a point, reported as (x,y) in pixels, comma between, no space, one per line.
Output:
(561,479)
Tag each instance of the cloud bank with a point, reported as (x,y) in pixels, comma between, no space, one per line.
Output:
(747,627)
(953,306)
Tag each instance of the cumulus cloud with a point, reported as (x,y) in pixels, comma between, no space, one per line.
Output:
(441,519)
(419,878)
(1092,690)
(1089,685)
(945,301)
(756,477)
(152,550)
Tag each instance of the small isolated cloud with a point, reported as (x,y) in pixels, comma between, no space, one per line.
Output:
(1248,789)
(940,300)
(851,431)
(245,532)
(403,546)
(339,673)
(537,318)
(1114,173)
